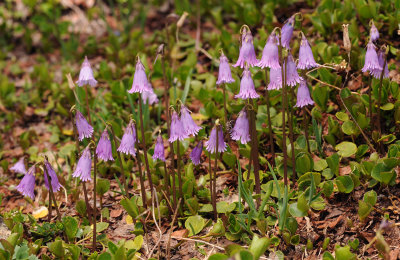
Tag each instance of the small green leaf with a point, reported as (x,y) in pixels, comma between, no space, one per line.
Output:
(57,248)
(344,183)
(194,224)
(103,185)
(346,149)
(225,207)
(342,116)
(259,246)
(71,227)
(387,106)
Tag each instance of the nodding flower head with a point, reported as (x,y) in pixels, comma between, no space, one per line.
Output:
(247,89)
(149,96)
(224,73)
(287,32)
(159,149)
(55,184)
(373,33)
(195,155)
(247,53)
(86,75)
(177,131)
(306,57)
(270,55)
(371,62)
(127,145)
(84,166)
(275,79)
(292,78)
(241,129)
(140,82)
(376,73)
(27,185)
(85,130)
(104,148)
(19,166)
(189,126)
(303,95)
(211,144)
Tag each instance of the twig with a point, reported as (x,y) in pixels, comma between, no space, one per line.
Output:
(155,222)
(171,228)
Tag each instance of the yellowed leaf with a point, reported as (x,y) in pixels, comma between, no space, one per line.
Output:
(129,220)
(40,212)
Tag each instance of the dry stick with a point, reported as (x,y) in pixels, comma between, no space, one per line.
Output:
(351,115)
(157,224)
(215,174)
(171,228)
(305,120)
(77,156)
(146,161)
(211,184)
(355,122)
(179,169)
(285,177)
(120,160)
(142,189)
(271,137)
(168,201)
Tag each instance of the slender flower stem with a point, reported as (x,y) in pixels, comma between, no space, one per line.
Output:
(146,161)
(94,171)
(254,150)
(211,184)
(225,111)
(215,175)
(305,120)
(271,137)
(370,103)
(50,207)
(179,169)
(380,96)
(285,177)
(94,196)
(87,105)
(141,180)
(166,100)
(77,152)
(166,179)
(51,193)
(291,131)
(126,193)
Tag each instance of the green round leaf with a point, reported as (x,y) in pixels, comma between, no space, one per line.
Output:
(346,149)
(194,224)
(344,183)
